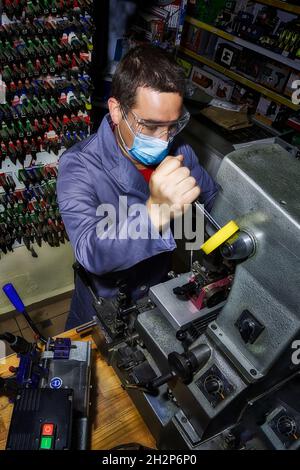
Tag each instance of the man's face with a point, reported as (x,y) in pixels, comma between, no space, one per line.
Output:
(151,105)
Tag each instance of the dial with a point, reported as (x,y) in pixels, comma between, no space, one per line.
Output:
(214,385)
(287,426)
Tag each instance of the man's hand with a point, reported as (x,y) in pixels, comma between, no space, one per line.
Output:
(171,188)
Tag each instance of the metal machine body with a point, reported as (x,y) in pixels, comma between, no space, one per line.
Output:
(261,189)
(233,382)
(50,389)
(61,373)
(48,365)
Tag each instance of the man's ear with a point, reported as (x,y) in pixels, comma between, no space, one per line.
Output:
(114,110)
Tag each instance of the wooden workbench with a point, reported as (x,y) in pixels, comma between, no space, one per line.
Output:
(114,418)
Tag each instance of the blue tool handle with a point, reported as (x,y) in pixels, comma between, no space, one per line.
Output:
(13,296)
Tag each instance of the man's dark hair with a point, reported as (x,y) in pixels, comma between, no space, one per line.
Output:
(146,66)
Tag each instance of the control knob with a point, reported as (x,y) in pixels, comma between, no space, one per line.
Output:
(214,385)
(287,426)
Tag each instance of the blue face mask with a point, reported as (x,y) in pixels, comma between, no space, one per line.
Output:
(147,150)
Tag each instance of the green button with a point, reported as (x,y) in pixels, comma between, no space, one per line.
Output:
(46,443)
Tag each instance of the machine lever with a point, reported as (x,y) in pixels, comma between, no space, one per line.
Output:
(15,299)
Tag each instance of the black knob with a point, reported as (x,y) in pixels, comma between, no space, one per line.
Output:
(247,329)
(180,366)
(185,365)
(286,425)
(181,335)
(213,385)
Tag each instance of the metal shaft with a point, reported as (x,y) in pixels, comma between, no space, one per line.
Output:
(207,215)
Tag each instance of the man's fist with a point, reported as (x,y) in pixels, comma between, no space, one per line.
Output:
(171,188)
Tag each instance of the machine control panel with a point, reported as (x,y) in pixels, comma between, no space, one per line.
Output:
(42,420)
(214,385)
(282,427)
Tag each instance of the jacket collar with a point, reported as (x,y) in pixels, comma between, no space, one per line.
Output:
(123,171)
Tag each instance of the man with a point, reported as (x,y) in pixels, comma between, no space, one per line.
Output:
(135,153)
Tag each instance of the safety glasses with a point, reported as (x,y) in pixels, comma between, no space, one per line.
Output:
(156,128)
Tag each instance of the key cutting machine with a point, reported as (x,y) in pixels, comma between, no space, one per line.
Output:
(210,358)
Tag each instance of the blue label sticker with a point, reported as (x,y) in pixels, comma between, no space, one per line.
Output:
(56,382)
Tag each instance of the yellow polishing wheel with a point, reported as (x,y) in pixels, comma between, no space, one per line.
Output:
(220,237)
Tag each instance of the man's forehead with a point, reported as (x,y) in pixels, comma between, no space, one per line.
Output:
(158,106)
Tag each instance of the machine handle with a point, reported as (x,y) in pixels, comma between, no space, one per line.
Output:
(220,237)
(14,297)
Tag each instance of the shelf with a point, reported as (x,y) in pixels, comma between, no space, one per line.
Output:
(243,80)
(281,5)
(210,28)
(241,42)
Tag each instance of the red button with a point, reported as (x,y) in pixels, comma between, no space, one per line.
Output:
(48,429)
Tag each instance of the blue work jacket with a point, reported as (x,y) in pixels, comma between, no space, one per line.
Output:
(95,172)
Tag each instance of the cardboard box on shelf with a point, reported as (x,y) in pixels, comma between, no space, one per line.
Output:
(210,47)
(227,55)
(224,90)
(191,37)
(225,19)
(267,111)
(213,84)
(161,24)
(249,64)
(151,25)
(205,80)
(241,21)
(224,86)
(274,76)
(244,96)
